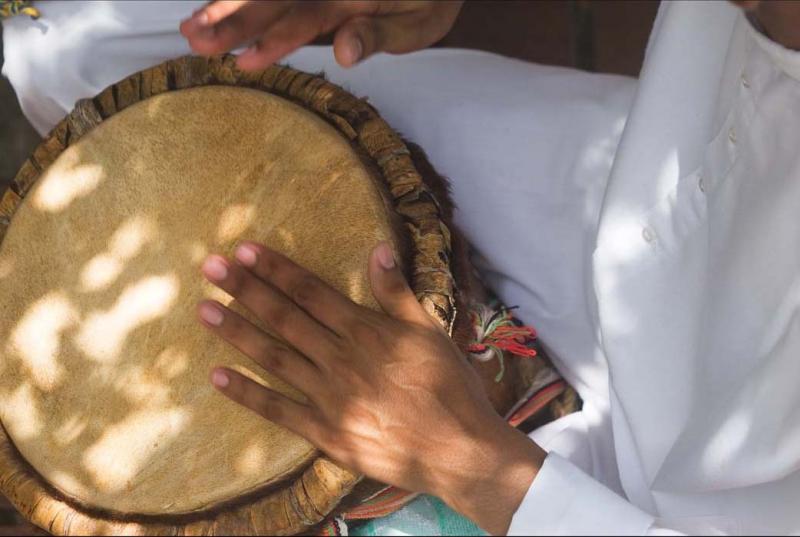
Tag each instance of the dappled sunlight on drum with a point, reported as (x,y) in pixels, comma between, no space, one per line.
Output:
(103,367)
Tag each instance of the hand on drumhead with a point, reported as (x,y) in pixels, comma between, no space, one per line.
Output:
(271,30)
(389,394)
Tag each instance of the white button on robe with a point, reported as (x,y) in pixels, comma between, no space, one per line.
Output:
(702,334)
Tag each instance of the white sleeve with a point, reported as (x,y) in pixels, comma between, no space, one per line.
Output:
(563,500)
(577,490)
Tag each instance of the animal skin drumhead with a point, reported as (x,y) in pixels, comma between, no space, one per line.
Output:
(103,366)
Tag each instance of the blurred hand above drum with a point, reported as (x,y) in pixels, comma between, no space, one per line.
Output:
(389,394)
(271,30)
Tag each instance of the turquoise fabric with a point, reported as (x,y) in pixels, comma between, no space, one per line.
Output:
(425,515)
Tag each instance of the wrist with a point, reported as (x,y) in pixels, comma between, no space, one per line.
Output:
(498,468)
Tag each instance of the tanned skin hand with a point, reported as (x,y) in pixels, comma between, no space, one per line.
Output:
(389,394)
(274,29)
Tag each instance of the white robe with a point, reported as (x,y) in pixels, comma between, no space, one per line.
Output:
(662,270)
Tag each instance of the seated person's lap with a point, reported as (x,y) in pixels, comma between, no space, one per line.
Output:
(527,147)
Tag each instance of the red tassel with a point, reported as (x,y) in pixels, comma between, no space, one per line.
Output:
(510,338)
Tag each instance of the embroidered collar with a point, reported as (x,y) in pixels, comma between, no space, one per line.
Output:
(10,8)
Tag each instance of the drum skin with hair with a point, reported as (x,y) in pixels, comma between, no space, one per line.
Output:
(109,424)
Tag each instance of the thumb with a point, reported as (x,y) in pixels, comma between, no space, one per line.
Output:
(363,36)
(390,287)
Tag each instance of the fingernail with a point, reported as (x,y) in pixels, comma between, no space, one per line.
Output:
(215,269)
(198,21)
(353,51)
(247,255)
(385,256)
(220,379)
(251,50)
(201,18)
(211,315)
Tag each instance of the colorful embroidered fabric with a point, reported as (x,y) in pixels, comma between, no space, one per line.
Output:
(392,509)
(10,8)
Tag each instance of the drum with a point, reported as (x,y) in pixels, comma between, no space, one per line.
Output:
(109,424)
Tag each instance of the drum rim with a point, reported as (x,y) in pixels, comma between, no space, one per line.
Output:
(318,489)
